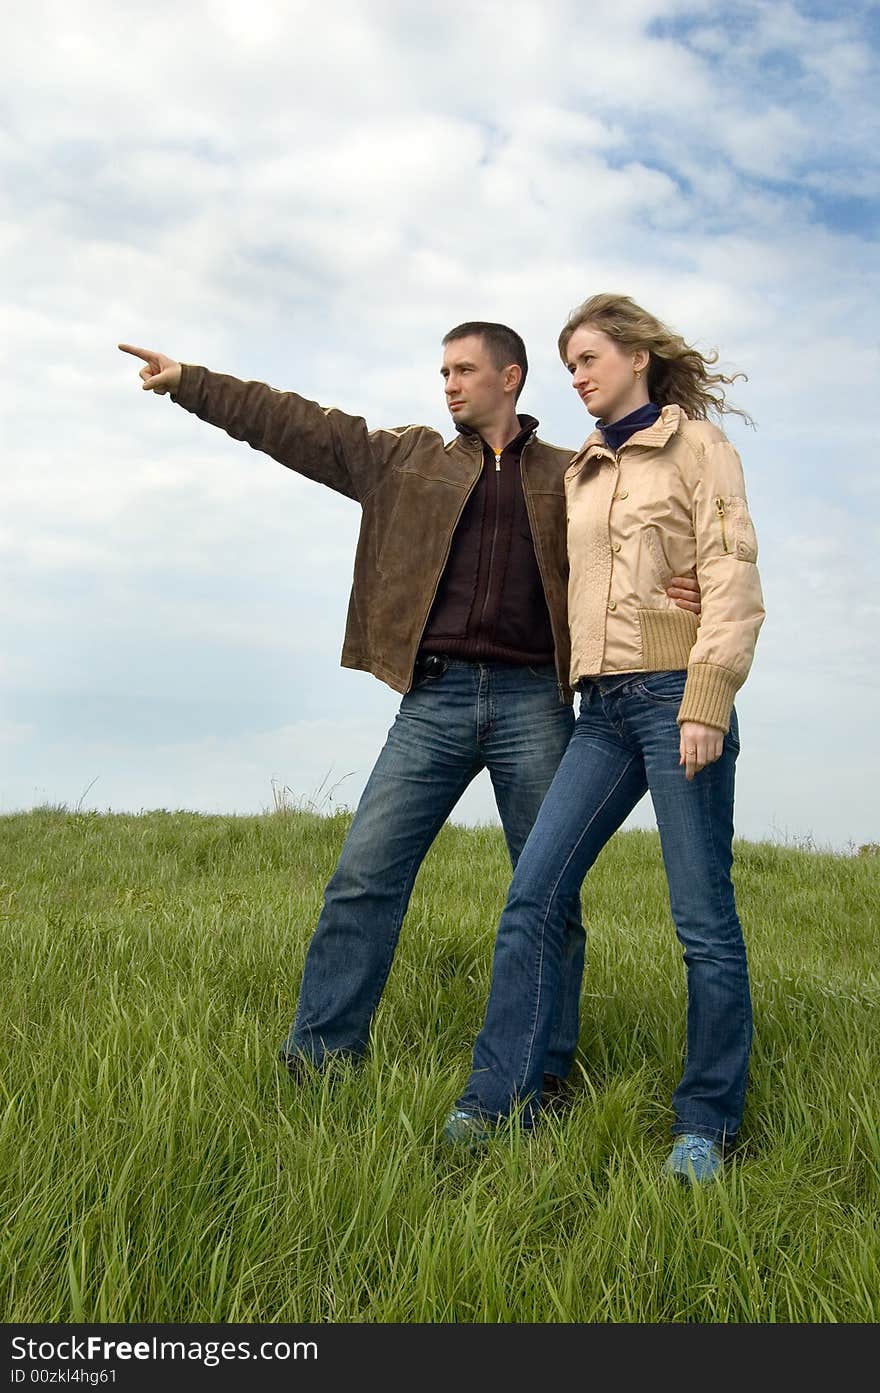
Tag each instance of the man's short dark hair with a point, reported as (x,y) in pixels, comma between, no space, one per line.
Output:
(505,345)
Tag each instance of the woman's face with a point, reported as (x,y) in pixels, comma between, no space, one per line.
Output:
(604,375)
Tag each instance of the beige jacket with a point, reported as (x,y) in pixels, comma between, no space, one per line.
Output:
(671,501)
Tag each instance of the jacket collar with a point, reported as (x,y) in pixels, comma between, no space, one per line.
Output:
(618,432)
(652,437)
(528,428)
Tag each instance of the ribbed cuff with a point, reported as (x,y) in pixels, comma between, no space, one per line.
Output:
(708,696)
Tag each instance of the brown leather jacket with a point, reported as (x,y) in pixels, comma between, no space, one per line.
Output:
(412,488)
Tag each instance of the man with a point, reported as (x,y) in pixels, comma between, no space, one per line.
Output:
(458,602)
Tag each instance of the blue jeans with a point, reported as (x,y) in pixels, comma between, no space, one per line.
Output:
(504,718)
(625,740)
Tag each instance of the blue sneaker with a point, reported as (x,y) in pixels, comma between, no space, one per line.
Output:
(466,1129)
(694,1160)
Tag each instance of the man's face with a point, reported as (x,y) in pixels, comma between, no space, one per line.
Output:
(476,391)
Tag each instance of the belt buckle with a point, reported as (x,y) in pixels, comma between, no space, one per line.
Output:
(431,665)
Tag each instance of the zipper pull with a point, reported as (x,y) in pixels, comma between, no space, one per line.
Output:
(497,464)
(719,509)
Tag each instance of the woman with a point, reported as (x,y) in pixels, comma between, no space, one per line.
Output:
(655,491)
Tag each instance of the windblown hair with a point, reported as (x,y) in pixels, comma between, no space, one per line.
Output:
(504,345)
(677,373)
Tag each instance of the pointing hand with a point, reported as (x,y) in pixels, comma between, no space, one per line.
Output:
(160,374)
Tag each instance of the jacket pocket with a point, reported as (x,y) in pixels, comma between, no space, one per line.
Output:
(735,528)
(652,546)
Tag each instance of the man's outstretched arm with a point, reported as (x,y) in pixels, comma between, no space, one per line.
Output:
(324,444)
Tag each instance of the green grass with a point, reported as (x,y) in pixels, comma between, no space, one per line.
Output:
(157,1166)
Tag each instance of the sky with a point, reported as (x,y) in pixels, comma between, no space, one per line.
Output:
(311,195)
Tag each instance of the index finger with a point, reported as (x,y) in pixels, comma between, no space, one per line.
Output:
(146,353)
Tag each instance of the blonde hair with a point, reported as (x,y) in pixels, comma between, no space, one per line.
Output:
(677,373)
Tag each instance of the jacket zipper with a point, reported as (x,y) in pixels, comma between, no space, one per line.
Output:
(497,455)
(440,576)
(719,509)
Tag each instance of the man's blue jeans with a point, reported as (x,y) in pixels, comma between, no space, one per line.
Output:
(504,718)
(625,740)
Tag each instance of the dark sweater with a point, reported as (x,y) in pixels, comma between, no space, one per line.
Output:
(490,603)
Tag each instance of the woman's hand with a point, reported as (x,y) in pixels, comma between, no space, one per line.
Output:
(700,745)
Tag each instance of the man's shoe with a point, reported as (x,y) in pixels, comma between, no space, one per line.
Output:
(297,1066)
(694,1160)
(466,1130)
(555,1094)
(303,1067)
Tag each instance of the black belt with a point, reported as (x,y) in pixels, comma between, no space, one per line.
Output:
(435,664)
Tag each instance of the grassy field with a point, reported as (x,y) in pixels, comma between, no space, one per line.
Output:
(157,1166)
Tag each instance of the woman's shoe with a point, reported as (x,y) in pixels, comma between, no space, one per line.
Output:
(694,1160)
(466,1129)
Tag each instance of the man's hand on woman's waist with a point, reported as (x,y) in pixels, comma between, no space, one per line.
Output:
(685,591)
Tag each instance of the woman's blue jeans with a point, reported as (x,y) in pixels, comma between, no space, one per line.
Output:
(625,740)
(496,716)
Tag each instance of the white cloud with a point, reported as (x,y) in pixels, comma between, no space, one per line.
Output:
(312,197)
(15,733)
